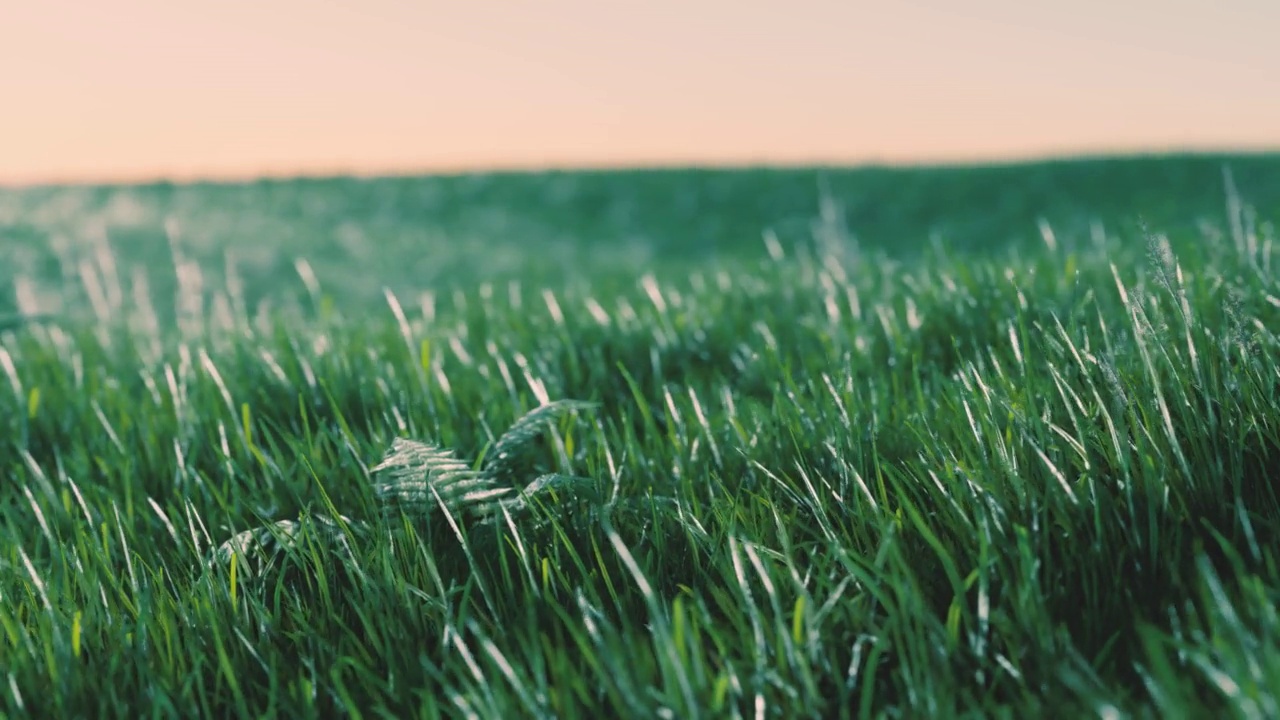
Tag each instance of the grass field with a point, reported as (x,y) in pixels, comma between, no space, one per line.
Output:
(949,442)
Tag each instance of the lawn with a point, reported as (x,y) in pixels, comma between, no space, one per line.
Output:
(930,442)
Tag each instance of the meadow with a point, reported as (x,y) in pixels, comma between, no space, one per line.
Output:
(926,442)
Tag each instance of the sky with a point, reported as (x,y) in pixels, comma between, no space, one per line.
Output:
(150,89)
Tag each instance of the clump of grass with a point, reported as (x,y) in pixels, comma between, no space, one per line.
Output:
(421,480)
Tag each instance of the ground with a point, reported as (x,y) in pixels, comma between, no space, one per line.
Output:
(930,442)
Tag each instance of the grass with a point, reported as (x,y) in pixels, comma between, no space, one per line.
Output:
(813,478)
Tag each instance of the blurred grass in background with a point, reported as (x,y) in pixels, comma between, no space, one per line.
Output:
(407,234)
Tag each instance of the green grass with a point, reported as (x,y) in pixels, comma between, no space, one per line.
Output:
(815,476)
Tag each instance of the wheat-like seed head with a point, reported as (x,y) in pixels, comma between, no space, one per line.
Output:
(421,479)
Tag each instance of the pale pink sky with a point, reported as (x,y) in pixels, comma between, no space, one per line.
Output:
(137,89)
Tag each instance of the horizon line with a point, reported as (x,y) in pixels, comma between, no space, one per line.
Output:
(407,171)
